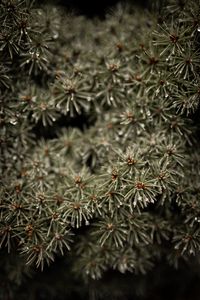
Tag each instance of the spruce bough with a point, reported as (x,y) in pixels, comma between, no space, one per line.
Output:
(121,190)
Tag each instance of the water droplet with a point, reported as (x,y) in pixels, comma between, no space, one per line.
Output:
(55,35)
(198,28)
(87,223)
(148,113)
(13,121)
(89,98)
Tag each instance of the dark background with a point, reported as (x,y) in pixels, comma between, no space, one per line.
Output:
(95,8)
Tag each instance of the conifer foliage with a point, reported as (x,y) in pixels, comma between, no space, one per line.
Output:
(121,190)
